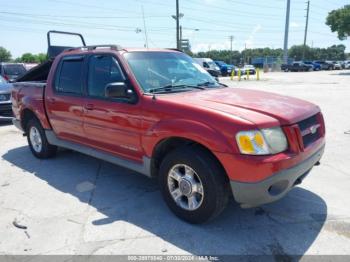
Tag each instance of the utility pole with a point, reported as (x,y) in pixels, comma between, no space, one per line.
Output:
(286,32)
(306,26)
(231,41)
(177,25)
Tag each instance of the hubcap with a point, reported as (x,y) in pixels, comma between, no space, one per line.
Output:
(185,187)
(35,139)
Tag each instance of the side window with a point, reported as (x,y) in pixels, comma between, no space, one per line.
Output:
(103,69)
(69,79)
(205,64)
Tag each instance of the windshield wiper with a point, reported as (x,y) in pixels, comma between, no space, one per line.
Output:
(211,84)
(206,83)
(171,87)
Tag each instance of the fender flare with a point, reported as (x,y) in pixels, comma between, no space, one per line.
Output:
(195,131)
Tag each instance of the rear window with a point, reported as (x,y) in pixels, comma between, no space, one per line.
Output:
(14,69)
(69,79)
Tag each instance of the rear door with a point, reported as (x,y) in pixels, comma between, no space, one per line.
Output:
(112,125)
(64,102)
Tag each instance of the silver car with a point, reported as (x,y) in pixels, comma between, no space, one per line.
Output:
(5,98)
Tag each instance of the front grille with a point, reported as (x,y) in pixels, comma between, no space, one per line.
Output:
(6,110)
(310,130)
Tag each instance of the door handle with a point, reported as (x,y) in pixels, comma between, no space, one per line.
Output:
(52,100)
(89,106)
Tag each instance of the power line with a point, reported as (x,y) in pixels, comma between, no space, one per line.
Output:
(80,17)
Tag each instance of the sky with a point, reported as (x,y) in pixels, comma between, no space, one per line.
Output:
(208,24)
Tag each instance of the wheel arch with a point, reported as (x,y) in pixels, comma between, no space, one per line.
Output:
(166,145)
(26,115)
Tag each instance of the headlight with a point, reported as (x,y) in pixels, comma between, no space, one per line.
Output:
(262,142)
(3,98)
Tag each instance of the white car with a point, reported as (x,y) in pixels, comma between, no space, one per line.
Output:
(347,64)
(337,65)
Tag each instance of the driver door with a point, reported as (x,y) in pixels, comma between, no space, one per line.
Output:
(112,125)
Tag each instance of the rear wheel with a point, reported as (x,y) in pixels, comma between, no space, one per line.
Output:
(37,141)
(193,184)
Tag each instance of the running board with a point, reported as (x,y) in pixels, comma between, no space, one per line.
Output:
(144,168)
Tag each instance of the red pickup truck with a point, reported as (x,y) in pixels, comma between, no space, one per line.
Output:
(159,113)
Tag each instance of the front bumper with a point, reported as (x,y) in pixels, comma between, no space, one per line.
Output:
(275,187)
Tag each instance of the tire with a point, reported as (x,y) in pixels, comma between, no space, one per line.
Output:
(37,140)
(204,170)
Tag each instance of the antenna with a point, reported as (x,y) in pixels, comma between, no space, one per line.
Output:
(144,27)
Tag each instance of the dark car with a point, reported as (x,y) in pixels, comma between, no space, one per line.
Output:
(11,71)
(316,66)
(297,67)
(5,98)
(225,69)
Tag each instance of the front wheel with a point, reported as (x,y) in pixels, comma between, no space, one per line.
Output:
(193,184)
(37,141)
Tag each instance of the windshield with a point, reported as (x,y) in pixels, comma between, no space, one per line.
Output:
(211,64)
(158,69)
(14,69)
(220,63)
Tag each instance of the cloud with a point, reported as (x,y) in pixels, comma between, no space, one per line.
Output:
(209,1)
(203,47)
(294,24)
(249,42)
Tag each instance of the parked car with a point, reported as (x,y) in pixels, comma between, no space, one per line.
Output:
(337,65)
(10,71)
(347,65)
(315,66)
(29,66)
(209,65)
(5,98)
(326,65)
(225,69)
(159,113)
(296,67)
(249,68)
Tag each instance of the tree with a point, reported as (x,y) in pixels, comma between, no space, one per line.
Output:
(41,57)
(28,58)
(5,55)
(296,52)
(339,21)
(31,58)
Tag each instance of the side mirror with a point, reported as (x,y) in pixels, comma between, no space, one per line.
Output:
(119,90)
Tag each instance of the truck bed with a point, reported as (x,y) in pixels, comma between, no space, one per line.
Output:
(29,95)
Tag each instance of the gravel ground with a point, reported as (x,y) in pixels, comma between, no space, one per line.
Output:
(75,204)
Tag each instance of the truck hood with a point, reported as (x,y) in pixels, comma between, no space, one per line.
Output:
(252,105)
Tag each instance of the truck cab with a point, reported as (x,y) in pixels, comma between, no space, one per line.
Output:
(159,113)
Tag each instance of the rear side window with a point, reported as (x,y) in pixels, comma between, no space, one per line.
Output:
(14,69)
(103,69)
(69,79)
